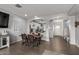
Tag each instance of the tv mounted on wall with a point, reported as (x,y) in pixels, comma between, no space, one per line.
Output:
(4,19)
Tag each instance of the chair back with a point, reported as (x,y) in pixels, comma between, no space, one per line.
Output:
(23,36)
(30,37)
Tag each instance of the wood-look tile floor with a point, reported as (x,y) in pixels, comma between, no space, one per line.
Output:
(57,45)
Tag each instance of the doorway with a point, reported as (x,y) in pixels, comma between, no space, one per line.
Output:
(58,28)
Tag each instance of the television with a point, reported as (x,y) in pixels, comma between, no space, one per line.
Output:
(4,19)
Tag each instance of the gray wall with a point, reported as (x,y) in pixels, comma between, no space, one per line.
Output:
(17,26)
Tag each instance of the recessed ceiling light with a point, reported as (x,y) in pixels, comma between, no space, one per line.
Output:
(25,14)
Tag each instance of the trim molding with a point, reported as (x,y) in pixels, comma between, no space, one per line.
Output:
(15,41)
(72,43)
(77,45)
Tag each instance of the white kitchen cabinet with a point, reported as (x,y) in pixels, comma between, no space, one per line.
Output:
(4,41)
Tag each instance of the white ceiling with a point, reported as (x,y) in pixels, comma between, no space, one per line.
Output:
(38,9)
(74,10)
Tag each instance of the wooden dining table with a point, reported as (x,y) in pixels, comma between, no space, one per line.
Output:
(36,39)
(35,36)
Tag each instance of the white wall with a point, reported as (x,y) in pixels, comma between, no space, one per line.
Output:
(66,28)
(72,29)
(51,29)
(77,31)
(46,34)
(17,26)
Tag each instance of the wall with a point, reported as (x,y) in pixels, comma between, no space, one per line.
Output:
(72,29)
(51,29)
(17,26)
(46,34)
(77,31)
(66,28)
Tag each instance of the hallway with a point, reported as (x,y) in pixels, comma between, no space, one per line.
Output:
(56,46)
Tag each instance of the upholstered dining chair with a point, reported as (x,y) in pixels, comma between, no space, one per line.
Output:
(30,40)
(24,39)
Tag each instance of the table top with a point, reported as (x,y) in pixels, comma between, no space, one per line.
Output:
(37,36)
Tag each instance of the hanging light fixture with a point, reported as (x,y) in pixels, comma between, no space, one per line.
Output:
(36,17)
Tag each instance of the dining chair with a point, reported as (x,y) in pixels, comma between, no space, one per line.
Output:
(23,39)
(39,38)
(30,40)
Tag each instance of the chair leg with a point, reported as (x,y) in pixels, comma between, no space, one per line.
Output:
(29,44)
(22,43)
(39,41)
(26,43)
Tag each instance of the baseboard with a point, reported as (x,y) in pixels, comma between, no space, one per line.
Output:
(74,44)
(47,40)
(15,42)
(71,43)
(77,45)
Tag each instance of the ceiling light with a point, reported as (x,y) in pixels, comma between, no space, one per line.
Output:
(25,14)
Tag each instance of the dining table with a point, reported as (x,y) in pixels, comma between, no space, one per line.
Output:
(36,39)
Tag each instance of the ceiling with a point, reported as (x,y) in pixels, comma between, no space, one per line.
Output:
(74,10)
(39,10)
